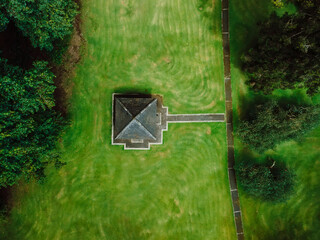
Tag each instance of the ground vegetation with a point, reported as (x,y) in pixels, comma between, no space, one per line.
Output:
(287,53)
(29,126)
(271,122)
(269,180)
(43,22)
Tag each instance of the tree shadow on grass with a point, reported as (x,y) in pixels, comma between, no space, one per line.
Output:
(298,218)
(244,18)
(5,207)
(5,197)
(245,154)
(248,104)
(293,230)
(135,90)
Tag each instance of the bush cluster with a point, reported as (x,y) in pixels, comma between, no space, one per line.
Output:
(29,125)
(265,181)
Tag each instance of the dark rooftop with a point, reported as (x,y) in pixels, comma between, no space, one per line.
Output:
(135,118)
(139,120)
(136,121)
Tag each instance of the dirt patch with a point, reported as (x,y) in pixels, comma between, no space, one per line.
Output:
(66,71)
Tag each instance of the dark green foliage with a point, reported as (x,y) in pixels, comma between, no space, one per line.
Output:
(306,5)
(272,123)
(29,127)
(43,21)
(287,54)
(268,181)
(3,16)
(60,47)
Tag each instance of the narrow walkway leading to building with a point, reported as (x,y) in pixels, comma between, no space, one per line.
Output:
(214,117)
(230,141)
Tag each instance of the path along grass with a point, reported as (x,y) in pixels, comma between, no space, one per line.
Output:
(298,218)
(178,190)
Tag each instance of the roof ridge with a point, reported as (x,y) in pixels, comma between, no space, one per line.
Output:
(124,107)
(145,129)
(140,124)
(136,117)
(143,110)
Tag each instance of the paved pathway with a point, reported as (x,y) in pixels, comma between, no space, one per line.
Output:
(228,94)
(217,117)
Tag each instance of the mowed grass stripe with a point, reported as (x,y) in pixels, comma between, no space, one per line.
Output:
(178,190)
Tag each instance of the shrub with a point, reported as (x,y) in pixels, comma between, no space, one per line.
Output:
(265,181)
(287,53)
(272,123)
(29,127)
(44,22)
(3,16)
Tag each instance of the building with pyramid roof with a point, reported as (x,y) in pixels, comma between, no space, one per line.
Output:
(137,121)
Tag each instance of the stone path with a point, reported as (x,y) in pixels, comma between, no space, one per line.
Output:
(218,117)
(229,123)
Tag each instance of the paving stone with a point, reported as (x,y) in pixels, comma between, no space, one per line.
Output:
(225,21)
(218,117)
(238,221)
(228,91)
(229,115)
(235,201)
(226,62)
(229,134)
(232,179)
(225,44)
(231,160)
(240,237)
(225,4)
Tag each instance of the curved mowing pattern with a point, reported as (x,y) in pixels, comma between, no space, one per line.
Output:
(178,190)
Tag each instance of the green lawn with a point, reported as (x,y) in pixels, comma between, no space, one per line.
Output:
(178,190)
(298,218)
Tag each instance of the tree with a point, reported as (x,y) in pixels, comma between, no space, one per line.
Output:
(29,127)
(43,21)
(287,54)
(305,4)
(278,3)
(272,123)
(271,182)
(3,16)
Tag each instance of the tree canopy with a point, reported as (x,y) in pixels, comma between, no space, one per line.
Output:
(29,126)
(3,16)
(269,181)
(272,123)
(43,21)
(287,54)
